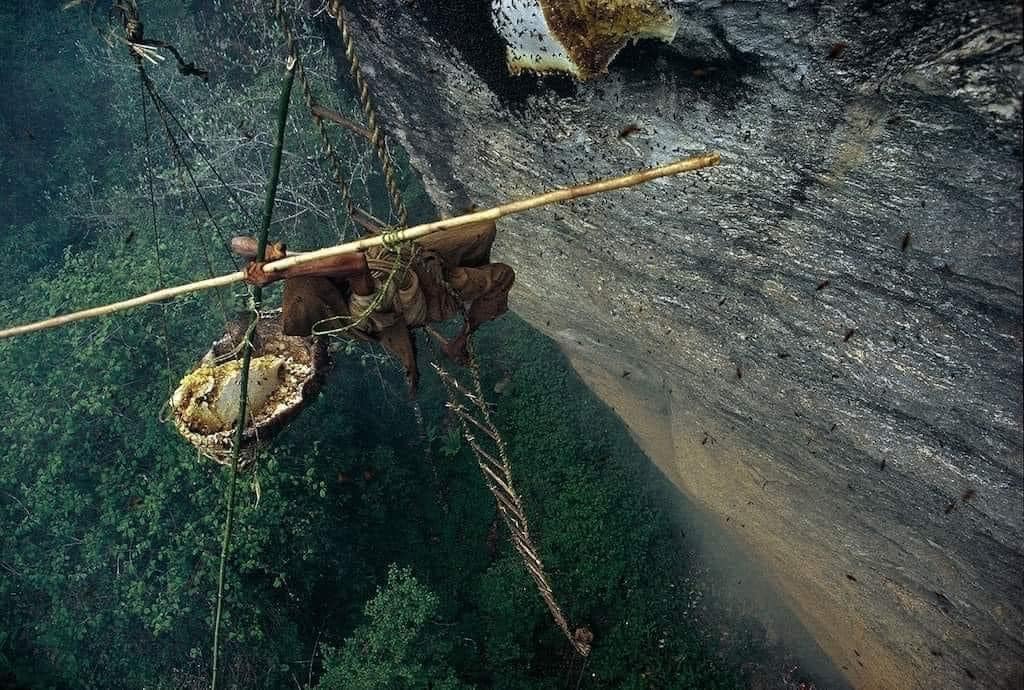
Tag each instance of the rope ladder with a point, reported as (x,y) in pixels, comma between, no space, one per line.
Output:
(478,430)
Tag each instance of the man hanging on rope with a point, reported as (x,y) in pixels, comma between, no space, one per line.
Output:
(381,294)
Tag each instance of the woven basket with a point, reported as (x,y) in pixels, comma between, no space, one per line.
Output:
(285,374)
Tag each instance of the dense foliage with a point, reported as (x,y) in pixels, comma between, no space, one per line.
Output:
(110,555)
(373,557)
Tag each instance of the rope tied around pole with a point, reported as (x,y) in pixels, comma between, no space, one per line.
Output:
(391,239)
(385,296)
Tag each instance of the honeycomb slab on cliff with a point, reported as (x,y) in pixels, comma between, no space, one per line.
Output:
(580,37)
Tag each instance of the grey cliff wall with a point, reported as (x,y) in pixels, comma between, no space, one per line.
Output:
(867,435)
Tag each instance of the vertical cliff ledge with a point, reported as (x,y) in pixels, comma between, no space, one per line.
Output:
(824,333)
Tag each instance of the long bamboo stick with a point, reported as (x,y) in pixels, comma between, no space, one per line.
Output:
(149,298)
(496,212)
(556,196)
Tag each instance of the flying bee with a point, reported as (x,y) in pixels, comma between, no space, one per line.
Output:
(628,130)
(836,50)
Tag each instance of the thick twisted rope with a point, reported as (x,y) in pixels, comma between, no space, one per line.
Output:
(377,138)
(474,415)
(333,159)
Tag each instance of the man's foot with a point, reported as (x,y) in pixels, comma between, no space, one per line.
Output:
(456,350)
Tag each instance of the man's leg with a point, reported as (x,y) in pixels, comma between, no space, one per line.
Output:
(398,340)
(469,246)
(486,289)
(308,301)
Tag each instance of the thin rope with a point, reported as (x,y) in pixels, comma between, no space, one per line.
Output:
(182,165)
(242,208)
(392,271)
(141,48)
(377,137)
(428,451)
(164,112)
(257,296)
(156,227)
(583,669)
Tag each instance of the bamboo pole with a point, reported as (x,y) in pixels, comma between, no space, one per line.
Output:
(553,197)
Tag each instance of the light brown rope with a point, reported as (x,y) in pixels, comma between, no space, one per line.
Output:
(377,137)
(333,159)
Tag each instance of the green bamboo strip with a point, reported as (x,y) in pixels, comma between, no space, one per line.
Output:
(257,297)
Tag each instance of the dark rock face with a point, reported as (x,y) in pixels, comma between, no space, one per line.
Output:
(838,305)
